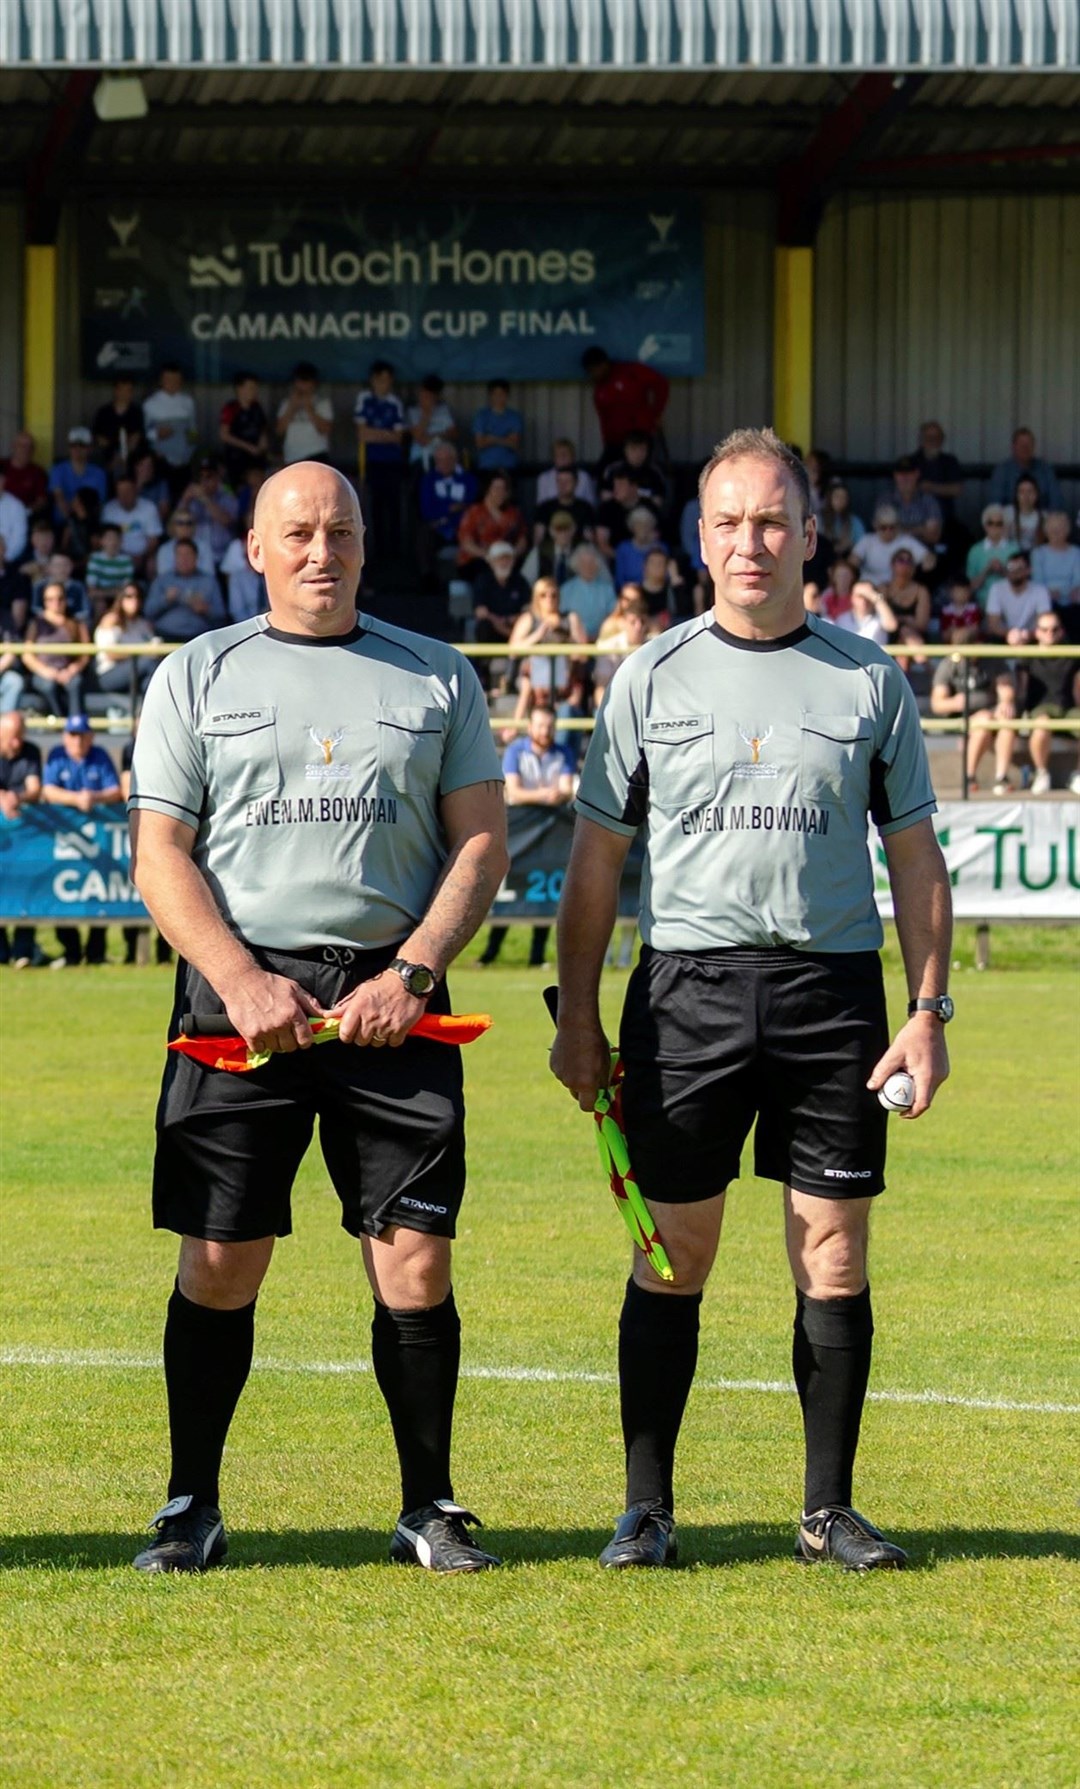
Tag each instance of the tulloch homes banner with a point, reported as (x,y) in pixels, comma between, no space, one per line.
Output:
(473,290)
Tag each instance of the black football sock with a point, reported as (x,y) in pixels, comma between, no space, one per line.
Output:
(658,1346)
(416,1355)
(207,1361)
(830,1357)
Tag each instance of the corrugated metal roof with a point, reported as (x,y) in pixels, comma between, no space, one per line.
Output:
(543,34)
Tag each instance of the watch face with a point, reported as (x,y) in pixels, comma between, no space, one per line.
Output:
(418,979)
(946,1007)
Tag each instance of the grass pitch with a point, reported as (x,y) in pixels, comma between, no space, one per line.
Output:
(310,1662)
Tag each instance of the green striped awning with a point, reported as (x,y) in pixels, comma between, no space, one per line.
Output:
(753,35)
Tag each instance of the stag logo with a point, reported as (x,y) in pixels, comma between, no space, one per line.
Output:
(325,769)
(752,766)
(662,226)
(124,227)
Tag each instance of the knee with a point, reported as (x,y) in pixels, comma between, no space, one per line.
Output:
(221,1275)
(833,1264)
(416,1276)
(690,1266)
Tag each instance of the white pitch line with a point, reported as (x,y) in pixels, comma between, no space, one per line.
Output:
(113,1361)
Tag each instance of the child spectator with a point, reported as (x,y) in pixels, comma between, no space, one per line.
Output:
(108,569)
(959,613)
(428,421)
(379,415)
(243,430)
(118,427)
(305,418)
(498,431)
(868,615)
(835,599)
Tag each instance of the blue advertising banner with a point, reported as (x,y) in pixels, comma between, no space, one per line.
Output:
(471,289)
(56,864)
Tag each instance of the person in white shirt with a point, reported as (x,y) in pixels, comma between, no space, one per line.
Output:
(14,522)
(564,453)
(138,519)
(427,422)
(305,420)
(169,419)
(1015,603)
(869,615)
(873,554)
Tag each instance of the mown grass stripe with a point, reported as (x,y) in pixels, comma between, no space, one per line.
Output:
(111,1360)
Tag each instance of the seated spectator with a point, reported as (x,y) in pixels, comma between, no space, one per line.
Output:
(23,477)
(589,592)
(78,774)
(839,527)
(137,517)
(305,418)
(379,415)
(214,507)
(254,479)
(56,677)
(835,599)
(60,571)
(624,630)
(661,583)
(498,431)
(868,614)
(939,472)
(243,431)
(20,786)
(493,518)
(874,553)
(107,570)
(613,516)
(643,535)
(500,593)
(987,559)
(959,613)
(171,426)
(118,428)
(1057,563)
(629,397)
(1050,691)
(123,624)
(42,548)
(81,528)
(549,678)
(985,688)
(564,453)
(427,422)
(15,594)
(916,511)
(1015,603)
(246,587)
(909,602)
(182,528)
(14,521)
(446,493)
(12,673)
(151,483)
(637,460)
(551,557)
(565,502)
(819,465)
(74,474)
(538,773)
(185,602)
(1023,463)
(1023,517)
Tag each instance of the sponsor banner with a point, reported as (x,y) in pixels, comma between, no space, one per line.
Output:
(472,289)
(57,864)
(1020,861)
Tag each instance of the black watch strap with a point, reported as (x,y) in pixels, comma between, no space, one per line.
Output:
(941,1005)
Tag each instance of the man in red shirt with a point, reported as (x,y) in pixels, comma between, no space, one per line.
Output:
(23,477)
(630,397)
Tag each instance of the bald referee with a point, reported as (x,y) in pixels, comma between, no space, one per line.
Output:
(317,826)
(751,744)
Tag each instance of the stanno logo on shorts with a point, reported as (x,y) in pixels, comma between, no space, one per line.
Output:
(420,1205)
(848,1173)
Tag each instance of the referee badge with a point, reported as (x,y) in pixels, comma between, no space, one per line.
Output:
(752,766)
(324,769)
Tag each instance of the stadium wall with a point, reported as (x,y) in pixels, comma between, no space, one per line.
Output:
(11,316)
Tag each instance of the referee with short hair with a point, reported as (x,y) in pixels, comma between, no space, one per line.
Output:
(318,827)
(752,744)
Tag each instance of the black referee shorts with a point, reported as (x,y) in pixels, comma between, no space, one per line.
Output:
(391,1122)
(709,1041)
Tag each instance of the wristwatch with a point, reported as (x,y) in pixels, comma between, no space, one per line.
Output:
(941,1006)
(419,980)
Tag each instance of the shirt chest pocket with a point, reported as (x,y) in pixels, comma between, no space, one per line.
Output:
(681,760)
(835,758)
(410,744)
(242,755)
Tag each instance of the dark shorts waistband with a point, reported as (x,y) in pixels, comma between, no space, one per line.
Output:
(342,955)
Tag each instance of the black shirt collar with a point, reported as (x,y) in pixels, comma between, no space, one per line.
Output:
(349,639)
(742,645)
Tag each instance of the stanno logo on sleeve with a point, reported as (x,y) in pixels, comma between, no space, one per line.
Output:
(752,766)
(325,769)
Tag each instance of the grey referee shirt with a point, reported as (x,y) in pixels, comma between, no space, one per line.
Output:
(311,770)
(753,766)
